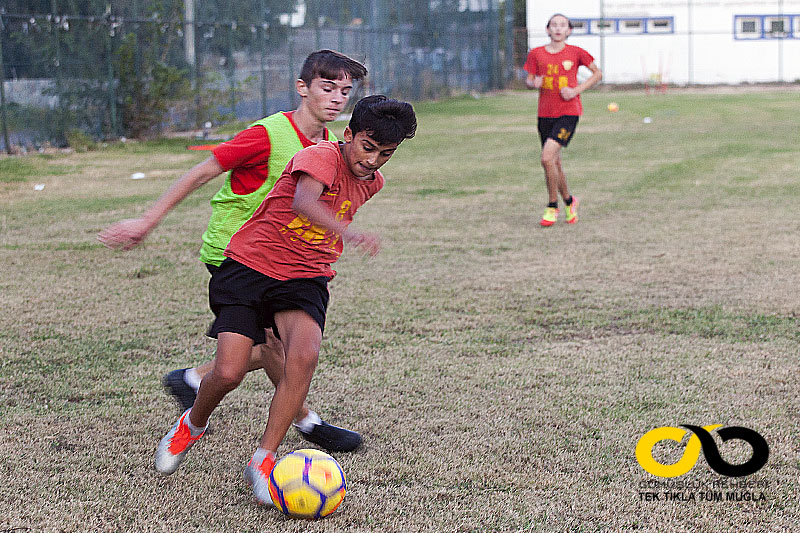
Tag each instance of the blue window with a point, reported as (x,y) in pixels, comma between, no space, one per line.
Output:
(623,25)
(766,27)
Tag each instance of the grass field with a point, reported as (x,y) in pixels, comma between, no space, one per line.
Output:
(500,373)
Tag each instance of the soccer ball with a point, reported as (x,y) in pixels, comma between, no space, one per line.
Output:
(307,484)
(613,107)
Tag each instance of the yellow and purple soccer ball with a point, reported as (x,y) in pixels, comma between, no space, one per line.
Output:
(307,484)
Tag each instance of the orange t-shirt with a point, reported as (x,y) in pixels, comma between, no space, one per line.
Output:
(559,70)
(282,244)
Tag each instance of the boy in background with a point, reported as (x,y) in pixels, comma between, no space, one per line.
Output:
(553,69)
(276,274)
(255,159)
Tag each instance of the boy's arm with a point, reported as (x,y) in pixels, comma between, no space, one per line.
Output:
(306,202)
(128,233)
(568,93)
(534,80)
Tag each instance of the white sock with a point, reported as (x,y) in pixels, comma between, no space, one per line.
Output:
(192,428)
(308,423)
(260,455)
(192,378)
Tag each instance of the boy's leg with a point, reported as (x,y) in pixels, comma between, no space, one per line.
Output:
(233,351)
(570,202)
(183,383)
(269,356)
(561,180)
(257,356)
(230,367)
(555,135)
(554,177)
(553,171)
(301,336)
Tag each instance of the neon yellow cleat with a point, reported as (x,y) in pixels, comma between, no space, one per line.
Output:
(572,210)
(549,217)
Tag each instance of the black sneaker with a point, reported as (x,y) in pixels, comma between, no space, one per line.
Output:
(175,385)
(332,438)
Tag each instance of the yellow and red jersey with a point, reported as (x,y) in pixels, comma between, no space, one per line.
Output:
(557,70)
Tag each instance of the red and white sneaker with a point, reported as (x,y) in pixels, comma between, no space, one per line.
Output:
(175,445)
(257,476)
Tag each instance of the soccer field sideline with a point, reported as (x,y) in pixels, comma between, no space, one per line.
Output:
(501,373)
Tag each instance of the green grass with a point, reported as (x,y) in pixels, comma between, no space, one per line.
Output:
(19,169)
(500,373)
(153,146)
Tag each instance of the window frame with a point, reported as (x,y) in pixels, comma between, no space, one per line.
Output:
(763,30)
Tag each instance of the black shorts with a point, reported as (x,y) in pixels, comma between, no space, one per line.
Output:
(560,129)
(245,301)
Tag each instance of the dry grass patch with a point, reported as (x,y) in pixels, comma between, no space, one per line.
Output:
(501,374)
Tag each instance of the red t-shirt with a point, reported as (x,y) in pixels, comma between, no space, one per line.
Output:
(247,154)
(280,243)
(558,70)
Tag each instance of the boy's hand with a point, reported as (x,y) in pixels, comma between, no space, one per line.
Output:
(568,93)
(534,82)
(125,234)
(365,241)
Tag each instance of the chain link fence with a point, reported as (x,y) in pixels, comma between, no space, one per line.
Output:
(129,69)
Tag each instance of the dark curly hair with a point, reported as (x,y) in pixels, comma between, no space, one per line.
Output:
(386,120)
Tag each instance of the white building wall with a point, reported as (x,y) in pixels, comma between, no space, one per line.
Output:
(702,47)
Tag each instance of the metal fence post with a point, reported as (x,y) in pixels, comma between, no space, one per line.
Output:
(602,38)
(262,32)
(60,115)
(3,90)
(190,53)
(111,91)
(231,64)
(509,44)
(690,38)
(290,66)
(780,43)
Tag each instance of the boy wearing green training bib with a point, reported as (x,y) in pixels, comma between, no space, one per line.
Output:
(254,159)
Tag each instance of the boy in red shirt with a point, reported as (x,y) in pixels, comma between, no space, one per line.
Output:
(553,69)
(254,160)
(276,274)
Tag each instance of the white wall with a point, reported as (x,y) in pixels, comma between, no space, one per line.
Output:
(702,49)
